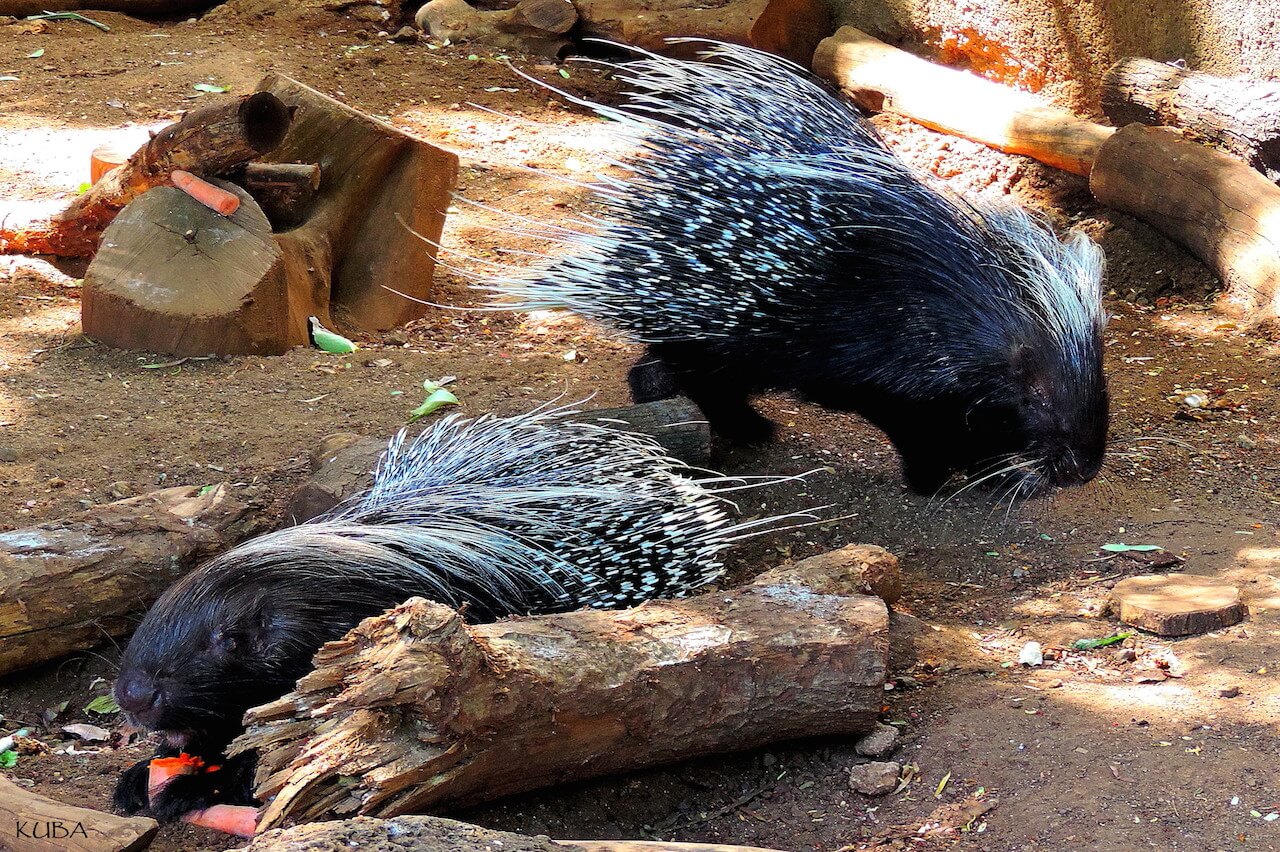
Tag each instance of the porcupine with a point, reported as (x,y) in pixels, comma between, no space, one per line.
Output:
(498,516)
(767,239)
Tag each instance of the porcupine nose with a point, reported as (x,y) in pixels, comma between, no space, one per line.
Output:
(138,697)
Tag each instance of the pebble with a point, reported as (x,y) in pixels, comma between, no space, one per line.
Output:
(405,35)
(120,490)
(1244,442)
(1229,692)
(874,779)
(1126,655)
(882,740)
(8,454)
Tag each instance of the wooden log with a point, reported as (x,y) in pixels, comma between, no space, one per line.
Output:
(172,278)
(1177,604)
(35,823)
(343,464)
(792,29)
(70,584)
(435,834)
(414,710)
(652,23)
(532,26)
(284,191)
(207,141)
(880,77)
(1224,212)
(1238,114)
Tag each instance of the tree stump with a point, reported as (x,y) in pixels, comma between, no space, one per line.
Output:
(415,710)
(1237,114)
(1224,212)
(1177,604)
(174,277)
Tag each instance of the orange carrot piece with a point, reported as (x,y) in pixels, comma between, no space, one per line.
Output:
(213,197)
(162,770)
(240,820)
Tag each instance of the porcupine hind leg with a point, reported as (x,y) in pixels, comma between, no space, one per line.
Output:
(710,381)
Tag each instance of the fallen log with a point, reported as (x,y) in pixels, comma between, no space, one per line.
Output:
(1238,114)
(174,277)
(207,141)
(70,584)
(538,27)
(435,834)
(1224,212)
(414,710)
(879,77)
(343,464)
(35,823)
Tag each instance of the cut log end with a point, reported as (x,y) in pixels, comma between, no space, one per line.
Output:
(1177,604)
(86,830)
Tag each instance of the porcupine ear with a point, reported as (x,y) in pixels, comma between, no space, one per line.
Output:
(1027,373)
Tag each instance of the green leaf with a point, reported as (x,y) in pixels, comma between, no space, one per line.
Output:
(1090,644)
(473,58)
(207,489)
(332,343)
(9,759)
(211,89)
(36,54)
(993,553)
(436,400)
(102,705)
(83,188)
(564,73)
(1046,537)
(1125,548)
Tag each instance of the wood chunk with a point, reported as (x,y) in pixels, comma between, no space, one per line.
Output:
(880,77)
(283,190)
(651,25)
(343,464)
(1177,604)
(1225,213)
(872,570)
(415,710)
(35,823)
(435,834)
(69,584)
(792,29)
(1238,114)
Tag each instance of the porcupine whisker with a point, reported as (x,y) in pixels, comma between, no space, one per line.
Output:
(497,211)
(1001,472)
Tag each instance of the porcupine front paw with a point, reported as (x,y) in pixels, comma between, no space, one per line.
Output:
(130,795)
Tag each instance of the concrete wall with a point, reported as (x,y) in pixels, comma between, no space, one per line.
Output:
(1062,47)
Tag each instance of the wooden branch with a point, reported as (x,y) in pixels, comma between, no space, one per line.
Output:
(415,710)
(284,191)
(533,26)
(434,834)
(1224,212)
(35,823)
(343,464)
(207,141)
(880,77)
(172,279)
(1237,114)
(71,584)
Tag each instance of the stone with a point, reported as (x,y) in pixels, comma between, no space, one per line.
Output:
(881,741)
(876,778)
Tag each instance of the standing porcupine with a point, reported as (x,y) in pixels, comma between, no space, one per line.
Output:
(504,516)
(769,240)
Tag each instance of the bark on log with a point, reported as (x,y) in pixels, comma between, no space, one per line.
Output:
(343,464)
(172,279)
(207,141)
(1237,114)
(650,24)
(880,77)
(139,8)
(70,584)
(1177,604)
(531,26)
(284,191)
(35,823)
(1224,212)
(414,710)
(434,834)
(792,29)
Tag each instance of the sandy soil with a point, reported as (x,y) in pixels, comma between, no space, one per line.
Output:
(1090,751)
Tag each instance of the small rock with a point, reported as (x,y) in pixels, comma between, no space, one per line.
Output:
(1050,655)
(1031,655)
(1229,692)
(1054,684)
(56,482)
(405,35)
(881,741)
(1126,655)
(120,490)
(875,778)
(380,362)
(8,454)
(1244,442)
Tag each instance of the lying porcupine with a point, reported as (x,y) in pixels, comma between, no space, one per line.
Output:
(502,516)
(769,240)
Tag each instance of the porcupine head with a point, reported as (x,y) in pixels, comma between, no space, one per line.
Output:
(766,238)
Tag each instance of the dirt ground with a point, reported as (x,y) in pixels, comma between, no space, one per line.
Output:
(1097,750)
